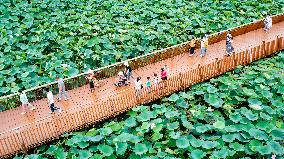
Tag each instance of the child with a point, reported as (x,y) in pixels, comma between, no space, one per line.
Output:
(163,74)
(192,47)
(148,84)
(51,101)
(204,45)
(156,79)
(25,102)
(90,77)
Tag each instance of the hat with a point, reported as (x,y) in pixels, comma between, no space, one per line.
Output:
(120,73)
(90,71)
(126,63)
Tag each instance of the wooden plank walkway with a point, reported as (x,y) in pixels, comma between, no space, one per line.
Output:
(21,132)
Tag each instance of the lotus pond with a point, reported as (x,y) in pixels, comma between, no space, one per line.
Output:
(40,39)
(236,115)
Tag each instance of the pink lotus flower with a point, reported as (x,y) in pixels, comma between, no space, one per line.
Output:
(273,156)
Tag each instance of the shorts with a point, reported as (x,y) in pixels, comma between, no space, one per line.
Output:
(164,78)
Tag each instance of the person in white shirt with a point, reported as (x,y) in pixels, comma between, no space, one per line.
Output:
(138,86)
(61,87)
(25,102)
(51,101)
(267,23)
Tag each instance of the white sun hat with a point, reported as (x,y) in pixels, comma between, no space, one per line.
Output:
(120,73)
(126,63)
(90,71)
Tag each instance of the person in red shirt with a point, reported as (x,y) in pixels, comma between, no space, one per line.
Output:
(164,74)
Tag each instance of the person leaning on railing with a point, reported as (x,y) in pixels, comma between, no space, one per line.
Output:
(138,87)
(192,46)
(229,46)
(61,87)
(25,102)
(267,23)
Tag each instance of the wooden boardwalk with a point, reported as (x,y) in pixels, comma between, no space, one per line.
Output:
(20,132)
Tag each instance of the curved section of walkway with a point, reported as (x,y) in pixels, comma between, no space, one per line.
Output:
(19,132)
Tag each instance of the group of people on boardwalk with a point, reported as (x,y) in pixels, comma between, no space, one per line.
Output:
(124,77)
(229,40)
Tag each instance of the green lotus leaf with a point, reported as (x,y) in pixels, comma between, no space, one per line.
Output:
(130,122)
(219,125)
(105,150)
(145,126)
(201,129)
(173,98)
(140,149)
(254,144)
(182,143)
(258,134)
(231,128)
(212,89)
(223,153)
(97,156)
(161,154)
(236,146)
(173,126)
(276,148)
(264,150)
(229,137)
(121,148)
(157,136)
(181,103)
(96,138)
(277,134)
(195,142)
(83,144)
(171,114)
(265,116)
(174,135)
(265,125)
(197,154)
(251,116)
(84,154)
(210,144)
(106,131)
(145,116)
(72,72)
(235,117)
(214,100)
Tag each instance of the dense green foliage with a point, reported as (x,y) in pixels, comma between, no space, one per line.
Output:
(42,38)
(233,116)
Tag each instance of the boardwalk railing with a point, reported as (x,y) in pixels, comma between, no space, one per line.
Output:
(12,100)
(51,127)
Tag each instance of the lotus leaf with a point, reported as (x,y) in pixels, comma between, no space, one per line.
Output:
(197,154)
(182,143)
(105,150)
(219,125)
(140,149)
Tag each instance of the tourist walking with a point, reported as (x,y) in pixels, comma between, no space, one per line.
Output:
(204,45)
(51,101)
(229,46)
(148,84)
(156,82)
(128,71)
(267,23)
(91,79)
(192,46)
(61,88)
(25,102)
(138,87)
(164,76)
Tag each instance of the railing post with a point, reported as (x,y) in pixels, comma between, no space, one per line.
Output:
(264,49)
(277,43)
(199,72)
(23,146)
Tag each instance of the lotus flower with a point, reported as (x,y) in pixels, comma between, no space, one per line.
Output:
(273,156)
